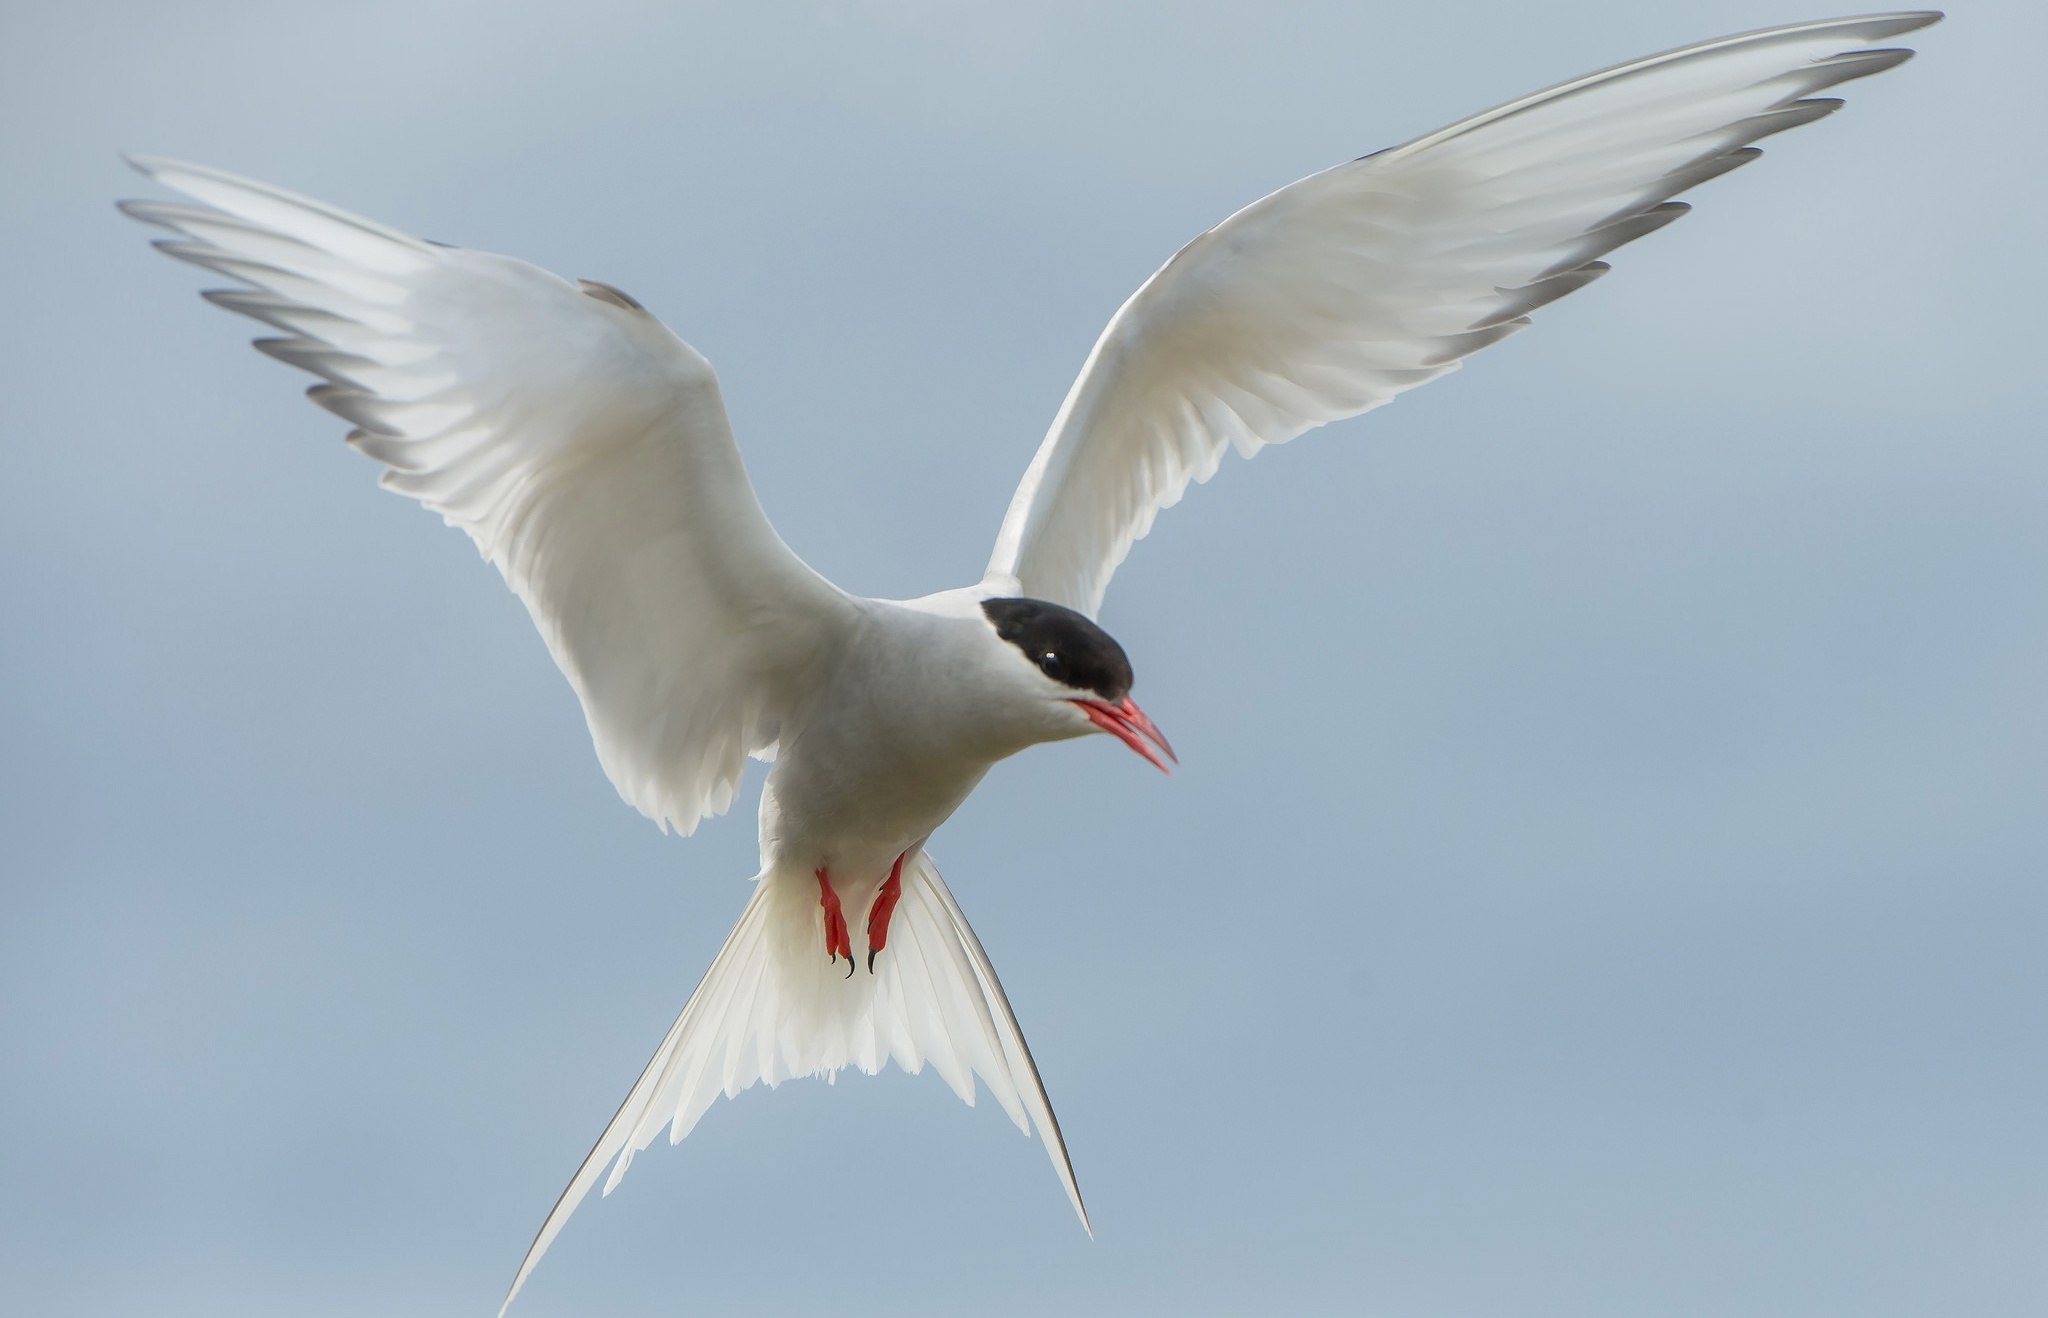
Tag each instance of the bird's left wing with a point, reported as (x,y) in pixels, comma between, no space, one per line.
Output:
(579,443)
(1338,292)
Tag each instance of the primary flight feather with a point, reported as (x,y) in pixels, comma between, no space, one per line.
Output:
(585,449)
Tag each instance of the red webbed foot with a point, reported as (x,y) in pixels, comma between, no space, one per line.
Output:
(837,941)
(884,907)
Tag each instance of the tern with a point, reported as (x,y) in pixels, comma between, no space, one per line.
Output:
(585,449)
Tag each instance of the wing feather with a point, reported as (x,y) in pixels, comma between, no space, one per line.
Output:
(1334,294)
(579,443)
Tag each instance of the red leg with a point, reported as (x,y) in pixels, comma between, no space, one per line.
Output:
(837,943)
(884,907)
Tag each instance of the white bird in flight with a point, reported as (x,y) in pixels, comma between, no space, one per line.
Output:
(585,449)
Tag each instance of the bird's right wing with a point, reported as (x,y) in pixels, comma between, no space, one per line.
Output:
(1334,294)
(582,446)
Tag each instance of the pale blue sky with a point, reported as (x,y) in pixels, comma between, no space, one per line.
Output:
(1605,877)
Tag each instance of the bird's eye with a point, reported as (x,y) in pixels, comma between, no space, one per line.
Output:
(1052,665)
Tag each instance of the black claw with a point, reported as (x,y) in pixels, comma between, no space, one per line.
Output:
(871,959)
(849,965)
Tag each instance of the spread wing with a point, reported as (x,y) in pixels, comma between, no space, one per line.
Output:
(582,446)
(1334,294)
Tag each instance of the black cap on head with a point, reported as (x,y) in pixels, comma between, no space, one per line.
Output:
(1063,644)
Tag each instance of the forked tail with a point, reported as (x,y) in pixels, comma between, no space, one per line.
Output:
(770,1008)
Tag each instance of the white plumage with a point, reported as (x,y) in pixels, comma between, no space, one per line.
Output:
(934,999)
(1334,294)
(582,446)
(585,449)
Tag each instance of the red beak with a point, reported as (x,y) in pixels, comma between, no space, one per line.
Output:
(1130,725)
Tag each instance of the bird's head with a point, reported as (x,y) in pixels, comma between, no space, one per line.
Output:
(1075,676)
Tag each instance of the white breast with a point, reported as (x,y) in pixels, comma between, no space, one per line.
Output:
(906,725)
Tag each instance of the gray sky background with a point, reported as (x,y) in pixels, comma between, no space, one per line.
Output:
(1605,878)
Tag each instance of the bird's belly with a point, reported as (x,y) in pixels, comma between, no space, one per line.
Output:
(852,810)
